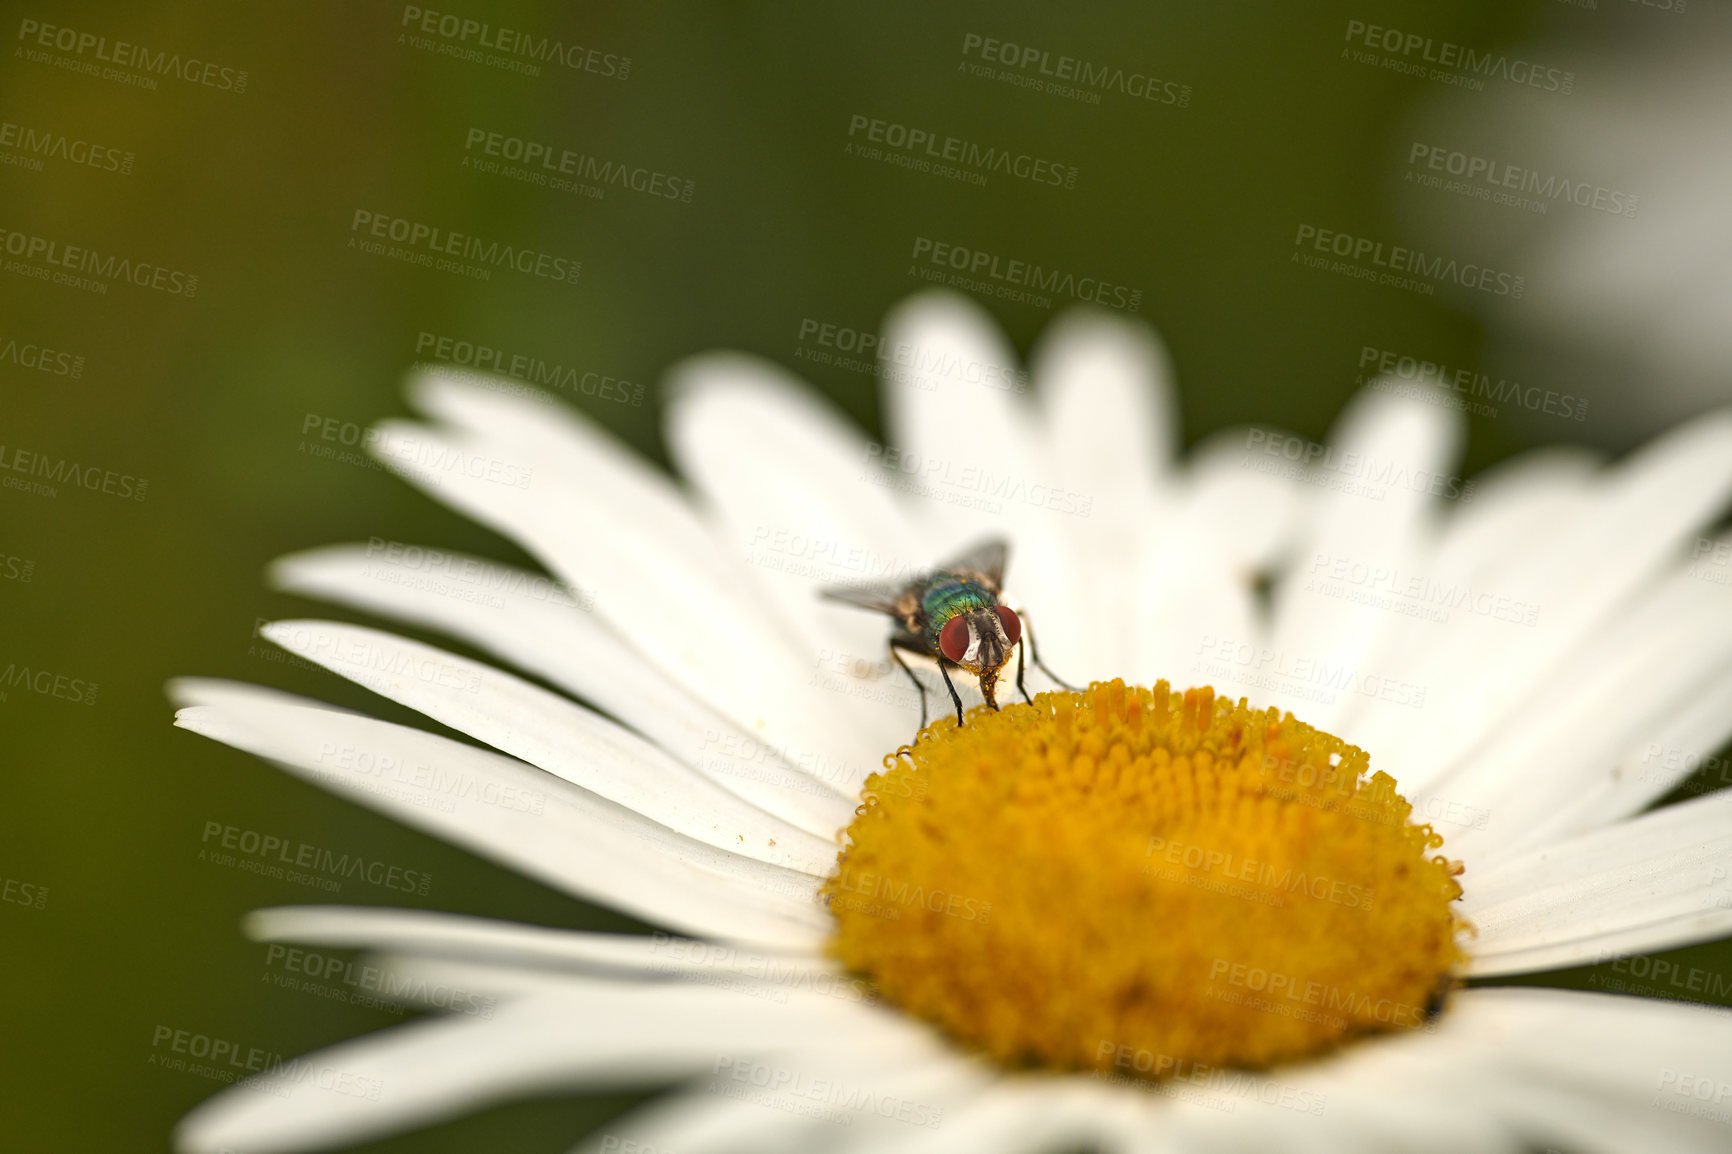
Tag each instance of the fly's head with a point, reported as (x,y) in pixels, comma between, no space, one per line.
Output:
(980,641)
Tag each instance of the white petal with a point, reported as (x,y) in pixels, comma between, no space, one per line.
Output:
(485,940)
(1634,521)
(799,497)
(524,619)
(555,733)
(975,463)
(1672,750)
(512,813)
(605,523)
(1569,742)
(1108,406)
(1227,521)
(1386,457)
(1657,881)
(604,1035)
(1451,609)
(1634,1059)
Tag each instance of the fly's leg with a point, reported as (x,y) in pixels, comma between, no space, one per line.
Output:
(918,688)
(1034,652)
(1019,668)
(942,668)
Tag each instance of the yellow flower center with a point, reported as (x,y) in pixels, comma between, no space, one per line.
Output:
(1136,881)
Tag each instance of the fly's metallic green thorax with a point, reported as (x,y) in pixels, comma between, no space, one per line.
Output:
(954,616)
(945,595)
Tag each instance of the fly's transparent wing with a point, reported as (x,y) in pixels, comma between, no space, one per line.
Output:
(889,597)
(984,560)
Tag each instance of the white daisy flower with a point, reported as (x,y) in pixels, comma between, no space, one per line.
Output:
(1126,916)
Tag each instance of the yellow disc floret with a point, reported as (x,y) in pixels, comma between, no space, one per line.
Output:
(1141,881)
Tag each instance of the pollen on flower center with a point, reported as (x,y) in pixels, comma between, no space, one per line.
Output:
(1136,881)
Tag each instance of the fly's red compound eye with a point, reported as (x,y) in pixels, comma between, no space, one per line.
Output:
(953,638)
(1010,622)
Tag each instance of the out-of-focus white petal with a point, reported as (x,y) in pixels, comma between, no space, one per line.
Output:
(1387,457)
(1637,519)
(524,619)
(604,522)
(800,498)
(555,733)
(1107,405)
(512,813)
(1651,664)
(607,1035)
(1637,1058)
(1225,524)
(972,460)
(1658,881)
(485,940)
(1464,579)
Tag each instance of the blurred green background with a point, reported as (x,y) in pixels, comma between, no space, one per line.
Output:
(207,397)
